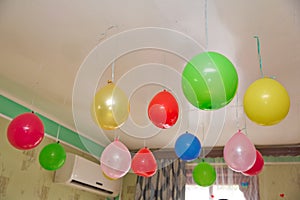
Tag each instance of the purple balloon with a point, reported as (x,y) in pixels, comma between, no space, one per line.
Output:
(239,152)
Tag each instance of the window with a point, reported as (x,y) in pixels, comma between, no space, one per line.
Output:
(228,185)
(232,192)
(193,192)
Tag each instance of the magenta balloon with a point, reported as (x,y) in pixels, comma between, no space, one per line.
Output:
(257,167)
(239,152)
(26,131)
(115,160)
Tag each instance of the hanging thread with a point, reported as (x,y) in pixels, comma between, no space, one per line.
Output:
(57,134)
(245,127)
(259,56)
(116,136)
(113,71)
(237,112)
(203,149)
(206,24)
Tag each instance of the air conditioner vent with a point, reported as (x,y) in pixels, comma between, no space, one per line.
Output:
(79,183)
(98,183)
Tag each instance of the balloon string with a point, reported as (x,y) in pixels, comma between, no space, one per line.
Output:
(57,134)
(245,126)
(203,132)
(113,71)
(237,112)
(116,135)
(206,23)
(259,56)
(203,149)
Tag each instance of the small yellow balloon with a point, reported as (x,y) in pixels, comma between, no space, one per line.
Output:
(110,107)
(266,102)
(109,178)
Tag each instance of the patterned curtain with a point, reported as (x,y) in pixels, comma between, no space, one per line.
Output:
(167,184)
(225,176)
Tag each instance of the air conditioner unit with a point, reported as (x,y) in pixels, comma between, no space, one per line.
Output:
(86,175)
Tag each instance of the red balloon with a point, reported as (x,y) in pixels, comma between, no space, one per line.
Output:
(257,167)
(163,110)
(143,163)
(26,131)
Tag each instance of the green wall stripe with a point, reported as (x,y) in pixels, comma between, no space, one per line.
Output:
(267,159)
(51,127)
(12,109)
(282,159)
(71,137)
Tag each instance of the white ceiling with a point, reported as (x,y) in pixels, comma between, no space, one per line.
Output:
(44,45)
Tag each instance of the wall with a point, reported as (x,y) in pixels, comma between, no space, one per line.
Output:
(280,182)
(128,187)
(21,176)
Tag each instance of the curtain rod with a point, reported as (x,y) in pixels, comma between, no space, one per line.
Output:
(265,150)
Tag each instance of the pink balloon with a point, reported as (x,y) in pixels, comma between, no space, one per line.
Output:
(115,160)
(257,167)
(26,131)
(239,152)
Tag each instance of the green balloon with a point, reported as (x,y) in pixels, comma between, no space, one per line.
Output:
(204,174)
(209,81)
(52,156)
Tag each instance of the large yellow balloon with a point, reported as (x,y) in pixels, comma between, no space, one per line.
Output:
(266,102)
(110,107)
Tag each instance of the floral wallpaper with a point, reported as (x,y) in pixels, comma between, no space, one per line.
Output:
(21,176)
